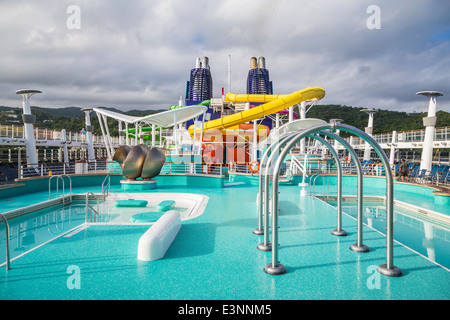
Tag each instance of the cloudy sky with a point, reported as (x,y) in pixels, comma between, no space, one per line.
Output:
(138,54)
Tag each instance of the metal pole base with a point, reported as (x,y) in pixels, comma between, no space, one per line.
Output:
(339,233)
(278,269)
(392,272)
(258,232)
(361,248)
(264,247)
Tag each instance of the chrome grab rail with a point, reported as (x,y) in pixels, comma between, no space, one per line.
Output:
(388,269)
(106,189)
(70,185)
(61,176)
(89,206)
(314,185)
(8,258)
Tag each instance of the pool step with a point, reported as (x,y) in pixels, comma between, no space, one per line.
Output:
(145,217)
(130,203)
(166,205)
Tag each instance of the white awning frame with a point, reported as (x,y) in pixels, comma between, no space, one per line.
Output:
(165,119)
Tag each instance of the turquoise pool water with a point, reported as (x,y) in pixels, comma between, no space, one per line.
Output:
(429,238)
(214,256)
(421,196)
(30,231)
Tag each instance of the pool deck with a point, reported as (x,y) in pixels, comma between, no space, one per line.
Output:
(214,257)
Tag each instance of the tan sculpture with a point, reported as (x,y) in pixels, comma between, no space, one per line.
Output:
(139,161)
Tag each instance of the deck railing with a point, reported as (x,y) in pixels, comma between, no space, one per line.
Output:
(16,131)
(57,168)
(194,168)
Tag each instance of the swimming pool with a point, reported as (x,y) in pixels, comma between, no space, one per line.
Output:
(189,206)
(214,256)
(34,229)
(427,236)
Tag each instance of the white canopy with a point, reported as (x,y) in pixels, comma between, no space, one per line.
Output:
(164,119)
(297,125)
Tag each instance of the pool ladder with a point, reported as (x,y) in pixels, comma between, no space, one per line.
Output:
(61,176)
(90,209)
(313,178)
(8,258)
(106,186)
(91,212)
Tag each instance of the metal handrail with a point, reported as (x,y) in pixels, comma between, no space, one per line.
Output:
(61,176)
(314,185)
(106,189)
(49,186)
(8,258)
(89,206)
(388,269)
(70,185)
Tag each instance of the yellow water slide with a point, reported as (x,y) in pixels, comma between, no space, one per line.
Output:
(273,103)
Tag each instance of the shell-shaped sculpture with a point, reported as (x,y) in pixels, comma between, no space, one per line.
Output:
(139,161)
(121,154)
(153,163)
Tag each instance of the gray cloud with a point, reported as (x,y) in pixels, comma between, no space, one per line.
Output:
(138,54)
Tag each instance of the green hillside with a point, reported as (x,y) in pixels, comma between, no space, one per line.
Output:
(72,118)
(384,121)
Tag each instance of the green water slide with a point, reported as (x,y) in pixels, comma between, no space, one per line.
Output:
(132,131)
(147,137)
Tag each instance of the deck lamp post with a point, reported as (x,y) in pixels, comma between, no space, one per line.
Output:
(28,124)
(90,144)
(429,123)
(368,130)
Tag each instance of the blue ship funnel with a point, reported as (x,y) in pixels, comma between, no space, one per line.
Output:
(199,86)
(258,81)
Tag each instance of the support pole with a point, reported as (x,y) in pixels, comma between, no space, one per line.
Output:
(229,73)
(127,135)
(263,193)
(255,141)
(368,130)
(28,124)
(154,135)
(66,152)
(105,138)
(429,123)
(175,133)
(358,246)
(121,134)
(108,136)
(136,133)
(303,116)
(338,231)
(392,153)
(90,144)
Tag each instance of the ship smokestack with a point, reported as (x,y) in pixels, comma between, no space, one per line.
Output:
(205,63)
(261,63)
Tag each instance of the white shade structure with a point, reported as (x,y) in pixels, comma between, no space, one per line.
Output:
(166,119)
